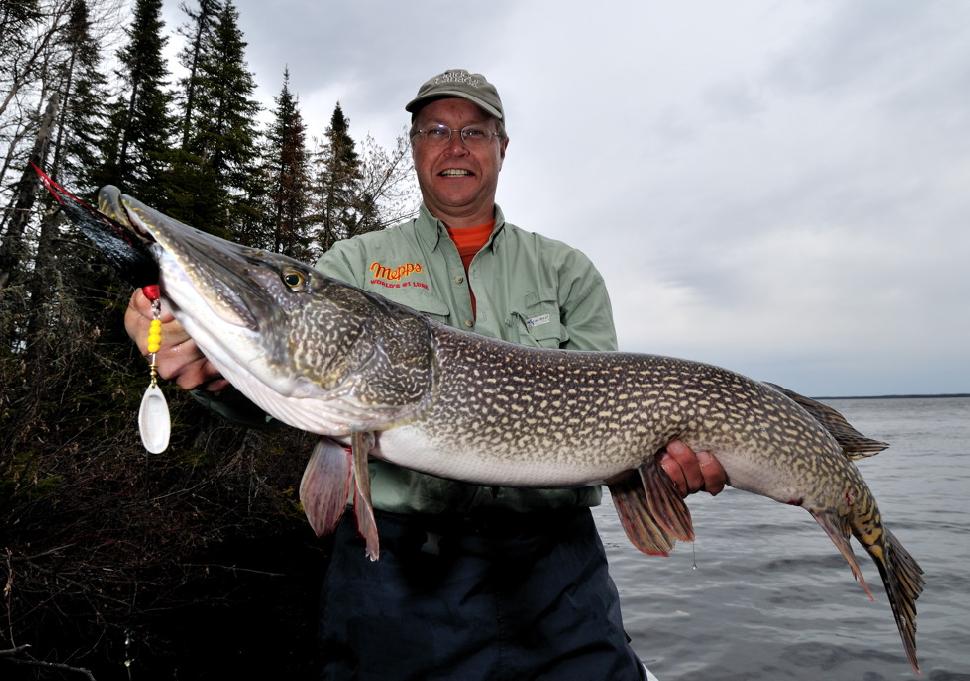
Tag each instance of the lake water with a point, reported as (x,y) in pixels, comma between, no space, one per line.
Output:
(771,597)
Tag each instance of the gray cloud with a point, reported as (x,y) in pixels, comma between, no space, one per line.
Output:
(777,187)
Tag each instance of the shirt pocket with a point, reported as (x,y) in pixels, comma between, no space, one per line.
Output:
(537,318)
(424,302)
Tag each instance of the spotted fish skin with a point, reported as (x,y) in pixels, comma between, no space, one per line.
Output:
(356,368)
(546,417)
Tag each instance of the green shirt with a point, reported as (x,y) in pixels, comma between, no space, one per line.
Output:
(529,289)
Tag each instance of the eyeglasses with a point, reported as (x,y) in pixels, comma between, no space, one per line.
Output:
(439,135)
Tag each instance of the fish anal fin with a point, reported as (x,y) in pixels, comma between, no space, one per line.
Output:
(854,444)
(664,503)
(362,442)
(837,528)
(324,487)
(651,510)
(630,501)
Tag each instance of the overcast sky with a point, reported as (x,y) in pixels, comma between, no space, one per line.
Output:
(778,187)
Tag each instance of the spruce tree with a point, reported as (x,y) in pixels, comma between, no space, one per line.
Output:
(286,164)
(82,124)
(190,184)
(198,35)
(79,129)
(338,182)
(222,143)
(141,125)
(16,19)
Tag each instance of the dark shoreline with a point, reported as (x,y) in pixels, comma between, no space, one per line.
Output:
(888,397)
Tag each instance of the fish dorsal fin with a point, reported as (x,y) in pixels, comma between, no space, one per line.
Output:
(651,510)
(854,444)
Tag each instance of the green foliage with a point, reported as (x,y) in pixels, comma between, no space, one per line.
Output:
(209,182)
(338,180)
(198,35)
(286,164)
(82,122)
(137,146)
(197,563)
(16,16)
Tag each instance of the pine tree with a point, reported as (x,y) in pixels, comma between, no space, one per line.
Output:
(286,164)
(79,128)
(141,126)
(198,33)
(29,35)
(13,248)
(82,125)
(337,182)
(222,143)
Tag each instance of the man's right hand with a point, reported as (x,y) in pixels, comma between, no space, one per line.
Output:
(179,358)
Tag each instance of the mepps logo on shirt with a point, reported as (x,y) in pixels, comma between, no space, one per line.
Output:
(390,276)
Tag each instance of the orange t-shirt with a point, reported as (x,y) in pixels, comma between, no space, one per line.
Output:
(469,241)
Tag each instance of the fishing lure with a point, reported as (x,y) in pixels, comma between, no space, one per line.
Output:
(154,421)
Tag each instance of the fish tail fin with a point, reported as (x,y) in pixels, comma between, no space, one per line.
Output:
(651,510)
(903,578)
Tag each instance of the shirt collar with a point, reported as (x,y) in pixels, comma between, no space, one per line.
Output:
(430,229)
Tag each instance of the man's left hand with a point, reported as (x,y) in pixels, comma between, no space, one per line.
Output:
(692,472)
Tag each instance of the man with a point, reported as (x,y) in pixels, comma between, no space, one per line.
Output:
(473,582)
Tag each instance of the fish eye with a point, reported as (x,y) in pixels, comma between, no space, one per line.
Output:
(294,279)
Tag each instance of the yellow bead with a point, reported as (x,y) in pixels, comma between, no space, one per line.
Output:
(154,335)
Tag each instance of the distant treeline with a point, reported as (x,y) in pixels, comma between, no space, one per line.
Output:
(196,563)
(890,397)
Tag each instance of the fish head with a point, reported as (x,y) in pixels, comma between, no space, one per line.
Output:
(276,327)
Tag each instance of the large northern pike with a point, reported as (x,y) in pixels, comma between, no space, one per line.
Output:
(361,370)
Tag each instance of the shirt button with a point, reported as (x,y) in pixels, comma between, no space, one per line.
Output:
(469,323)
(459,280)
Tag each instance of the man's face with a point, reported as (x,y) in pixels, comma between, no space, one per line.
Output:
(457,181)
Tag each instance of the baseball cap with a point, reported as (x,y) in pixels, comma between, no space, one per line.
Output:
(460,83)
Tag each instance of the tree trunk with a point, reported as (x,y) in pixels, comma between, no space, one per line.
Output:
(11,252)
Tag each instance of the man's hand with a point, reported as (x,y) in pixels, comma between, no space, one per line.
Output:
(179,358)
(692,472)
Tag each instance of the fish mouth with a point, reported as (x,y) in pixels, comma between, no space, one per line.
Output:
(194,267)
(127,250)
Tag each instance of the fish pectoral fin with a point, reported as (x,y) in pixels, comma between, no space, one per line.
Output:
(651,510)
(630,501)
(664,502)
(837,528)
(324,487)
(362,442)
